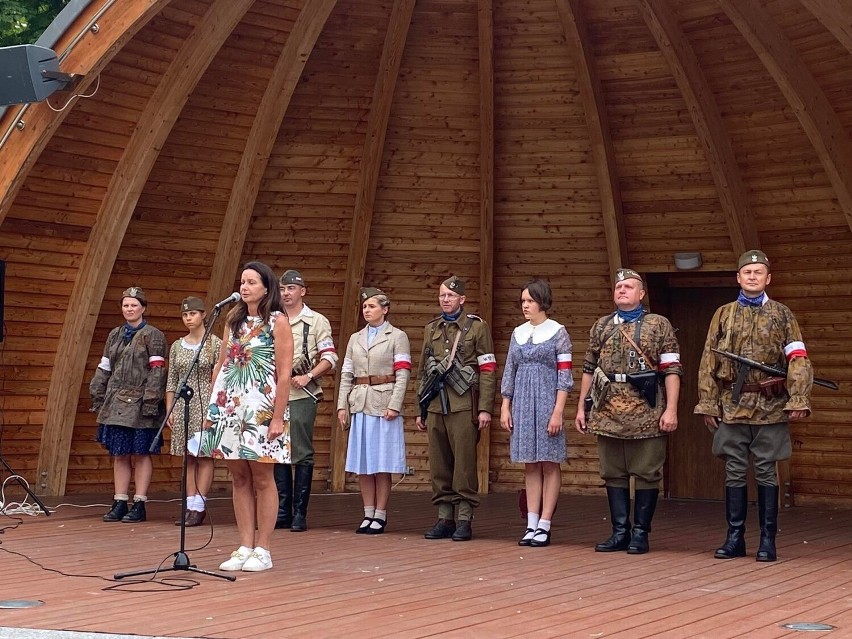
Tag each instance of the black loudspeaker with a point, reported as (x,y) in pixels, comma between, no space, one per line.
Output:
(21,74)
(2,300)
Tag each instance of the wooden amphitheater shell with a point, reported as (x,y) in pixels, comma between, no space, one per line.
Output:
(394,142)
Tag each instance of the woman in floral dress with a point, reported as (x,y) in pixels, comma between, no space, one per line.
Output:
(535,386)
(199,469)
(248,411)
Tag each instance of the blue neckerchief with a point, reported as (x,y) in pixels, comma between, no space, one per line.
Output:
(743,300)
(130,331)
(372,331)
(454,316)
(631,316)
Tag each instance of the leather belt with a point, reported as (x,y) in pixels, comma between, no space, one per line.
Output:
(375,380)
(747,388)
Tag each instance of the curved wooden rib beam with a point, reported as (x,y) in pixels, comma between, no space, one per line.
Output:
(362,219)
(707,119)
(486,198)
(836,16)
(577,36)
(88,58)
(155,124)
(807,99)
(261,139)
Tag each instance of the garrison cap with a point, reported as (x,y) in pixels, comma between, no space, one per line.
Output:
(753,257)
(192,304)
(292,277)
(136,293)
(455,284)
(370,291)
(627,274)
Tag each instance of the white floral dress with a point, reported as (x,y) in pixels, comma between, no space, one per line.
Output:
(243,397)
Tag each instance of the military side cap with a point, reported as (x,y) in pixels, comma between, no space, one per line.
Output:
(192,304)
(370,291)
(627,274)
(136,293)
(752,257)
(292,277)
(455,284)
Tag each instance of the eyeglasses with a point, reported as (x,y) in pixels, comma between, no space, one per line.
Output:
(447,296)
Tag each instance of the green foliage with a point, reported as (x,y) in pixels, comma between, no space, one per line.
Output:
(23,21)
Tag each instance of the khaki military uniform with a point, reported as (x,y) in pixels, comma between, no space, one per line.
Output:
(629,439)
(303,408)
(453,436)
(757,424)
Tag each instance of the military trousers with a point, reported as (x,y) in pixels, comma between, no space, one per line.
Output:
(452,463)
(768,443)
(622,459)
(303,414)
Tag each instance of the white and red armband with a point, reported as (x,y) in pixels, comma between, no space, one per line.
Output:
(795,349)
(563,362)
(487,363)
(156,361)
(668,359)
(401,362)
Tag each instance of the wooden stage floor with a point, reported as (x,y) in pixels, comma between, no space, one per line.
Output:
(329,582)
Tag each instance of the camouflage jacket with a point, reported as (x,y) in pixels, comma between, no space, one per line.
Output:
(768,334)
(130,382)
(625,414)
(476,349)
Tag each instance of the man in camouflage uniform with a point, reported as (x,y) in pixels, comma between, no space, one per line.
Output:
(763,330)
(456,419)
(314,356)
(631,431)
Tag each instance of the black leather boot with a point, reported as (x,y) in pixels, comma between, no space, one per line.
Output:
(736,506)
(619,514)
(284,483)
(301,495)
(118,510)
(136,514)
(645,503)
(767,504)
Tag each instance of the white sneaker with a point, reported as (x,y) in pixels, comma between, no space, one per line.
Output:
(237,560)
(259,560)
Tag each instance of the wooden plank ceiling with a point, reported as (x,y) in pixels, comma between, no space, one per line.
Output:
(394,142)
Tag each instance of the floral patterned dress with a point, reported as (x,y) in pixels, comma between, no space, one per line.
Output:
(243,397)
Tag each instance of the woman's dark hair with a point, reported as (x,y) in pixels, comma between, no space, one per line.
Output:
(540,291)
(269,303)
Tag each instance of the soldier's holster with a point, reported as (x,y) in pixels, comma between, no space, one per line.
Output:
(646,384)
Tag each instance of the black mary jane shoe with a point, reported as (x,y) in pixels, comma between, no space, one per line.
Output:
(540,543)
(364,528)
(372,530)
(526,541)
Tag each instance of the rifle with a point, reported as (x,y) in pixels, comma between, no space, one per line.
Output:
(432,387)
(301,366)
(745,364)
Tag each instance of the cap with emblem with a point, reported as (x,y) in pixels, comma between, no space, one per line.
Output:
(136,293)
(292,277)
(752,257)
(192,304)
(455,284)
(627,274)
(370,291)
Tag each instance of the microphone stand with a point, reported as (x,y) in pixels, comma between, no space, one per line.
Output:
(185,392)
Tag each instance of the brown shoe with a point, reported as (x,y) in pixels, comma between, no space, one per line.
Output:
(195,518)
(178,522)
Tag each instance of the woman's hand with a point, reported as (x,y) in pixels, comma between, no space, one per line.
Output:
(171,420)
(391,414)
(276,428)
(554,426)
(506,415)
(341,418)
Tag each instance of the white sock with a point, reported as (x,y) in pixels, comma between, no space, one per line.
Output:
(380,514)
(532,520)
(198,503)
(142,498)
(369,512)
(118,497)
(544,524)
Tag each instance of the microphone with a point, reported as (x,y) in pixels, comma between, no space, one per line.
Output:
(233,297)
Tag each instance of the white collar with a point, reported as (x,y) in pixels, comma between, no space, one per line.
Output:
(541,333)
(305,312)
